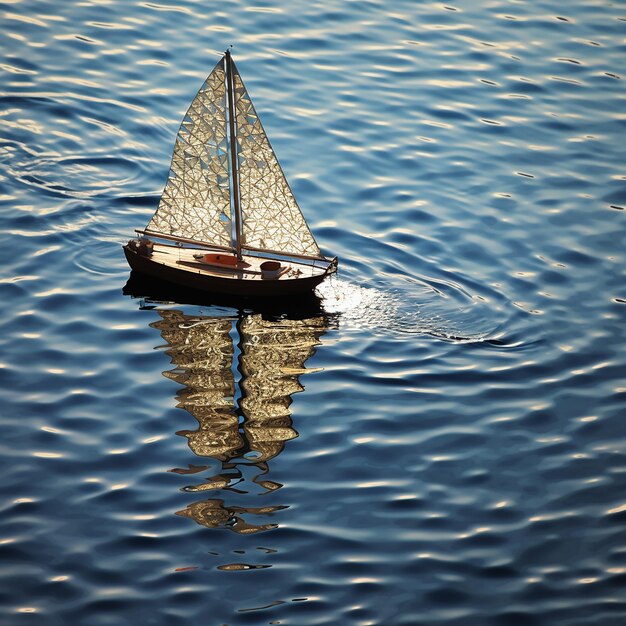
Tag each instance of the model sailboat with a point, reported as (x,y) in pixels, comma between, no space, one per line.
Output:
(227,217)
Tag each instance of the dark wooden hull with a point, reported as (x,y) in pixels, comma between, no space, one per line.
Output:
(152,292)
(233,285)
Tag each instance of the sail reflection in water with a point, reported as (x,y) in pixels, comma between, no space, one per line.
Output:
(242,423)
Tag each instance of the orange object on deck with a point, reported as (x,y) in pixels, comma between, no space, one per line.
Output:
(221,259)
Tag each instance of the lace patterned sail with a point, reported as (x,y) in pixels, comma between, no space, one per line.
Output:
(271,218)
(196,200)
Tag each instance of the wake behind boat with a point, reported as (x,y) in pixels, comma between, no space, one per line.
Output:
(231,220)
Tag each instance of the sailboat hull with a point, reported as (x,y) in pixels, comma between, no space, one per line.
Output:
(179,267)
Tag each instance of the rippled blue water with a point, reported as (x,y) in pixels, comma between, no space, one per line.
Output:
(456,451)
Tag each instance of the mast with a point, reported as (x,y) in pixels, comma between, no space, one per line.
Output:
(233,151)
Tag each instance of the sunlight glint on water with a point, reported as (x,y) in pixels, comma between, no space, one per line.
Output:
(458,456)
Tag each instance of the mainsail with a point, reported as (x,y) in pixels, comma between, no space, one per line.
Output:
(271,217)
(195,203)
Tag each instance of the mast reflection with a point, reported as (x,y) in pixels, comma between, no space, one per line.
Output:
(238,376)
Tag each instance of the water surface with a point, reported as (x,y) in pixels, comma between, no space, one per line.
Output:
(439,440)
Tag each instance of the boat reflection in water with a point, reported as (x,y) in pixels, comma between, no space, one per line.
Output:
(239,374)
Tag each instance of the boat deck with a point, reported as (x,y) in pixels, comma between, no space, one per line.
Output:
(250,269)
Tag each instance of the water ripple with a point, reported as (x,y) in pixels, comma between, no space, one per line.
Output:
(436,437)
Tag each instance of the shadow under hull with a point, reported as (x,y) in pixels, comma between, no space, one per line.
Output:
(142,285)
